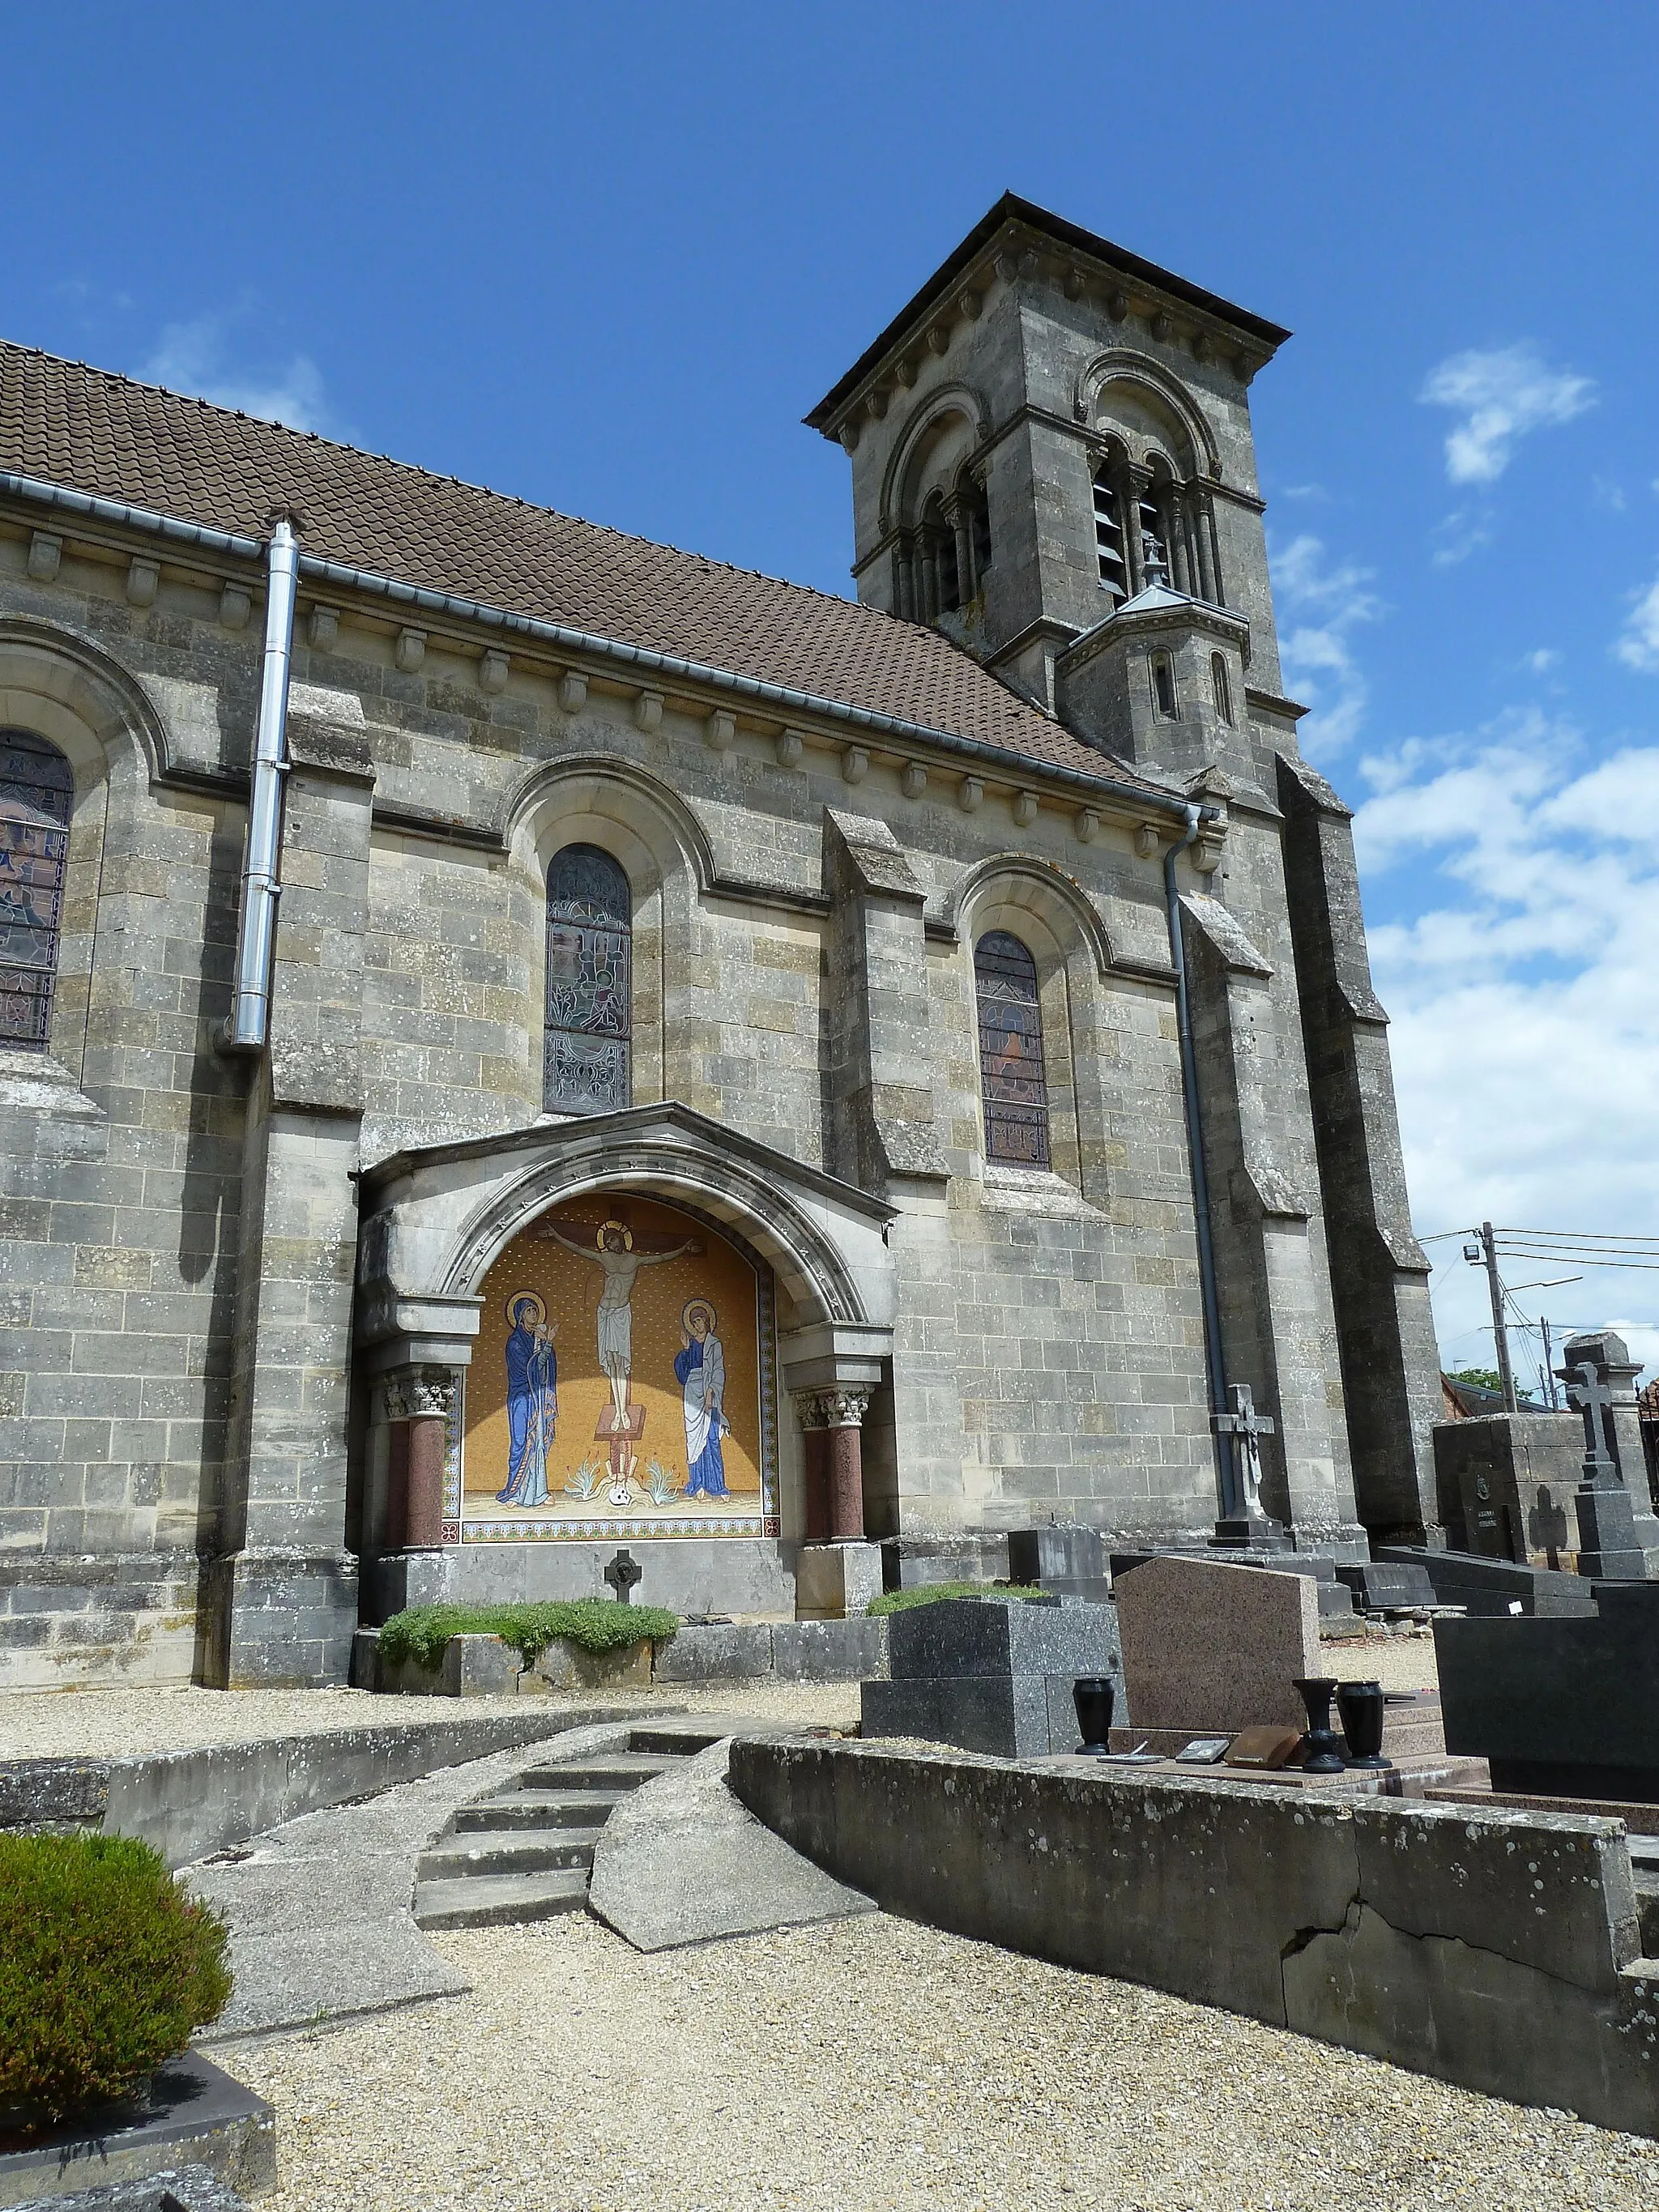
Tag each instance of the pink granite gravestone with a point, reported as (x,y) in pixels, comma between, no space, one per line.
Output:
(1209,1647)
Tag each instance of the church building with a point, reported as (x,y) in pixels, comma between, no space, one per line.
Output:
(518,1042)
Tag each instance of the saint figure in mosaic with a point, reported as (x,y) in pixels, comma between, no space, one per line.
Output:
(532,1400)
(699,1370)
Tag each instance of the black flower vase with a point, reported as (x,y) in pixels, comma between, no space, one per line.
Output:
(1094,1696)
(1322,1751)
(1361,1705)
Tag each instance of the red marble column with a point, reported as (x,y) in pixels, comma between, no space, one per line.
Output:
(845,1440)
(420,1404)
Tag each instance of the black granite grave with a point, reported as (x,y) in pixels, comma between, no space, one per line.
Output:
(1390,1586)
(1069,1562)
(1491,1586)
(1561,1707)
(991,1675)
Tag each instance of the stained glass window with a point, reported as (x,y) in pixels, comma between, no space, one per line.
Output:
(1011,1052)
(589,993)
(37,797)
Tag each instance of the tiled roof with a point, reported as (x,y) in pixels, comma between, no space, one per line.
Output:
(105,435)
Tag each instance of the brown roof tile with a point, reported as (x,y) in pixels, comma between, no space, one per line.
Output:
(105,435)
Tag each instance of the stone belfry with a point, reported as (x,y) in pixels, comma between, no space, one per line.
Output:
(1053,464)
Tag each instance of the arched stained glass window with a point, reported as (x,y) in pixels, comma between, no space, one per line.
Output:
(590,995)
(37,797)
(1012,1076)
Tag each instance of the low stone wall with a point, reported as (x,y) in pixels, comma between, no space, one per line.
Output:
(1495,1950)
(189,1802)
(729,1651)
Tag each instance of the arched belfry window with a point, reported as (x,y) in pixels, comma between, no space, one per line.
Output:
(589,1019)
(1015,1089)
(37,797)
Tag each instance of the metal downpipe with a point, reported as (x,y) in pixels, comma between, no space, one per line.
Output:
(1214,1368)
(249,1024)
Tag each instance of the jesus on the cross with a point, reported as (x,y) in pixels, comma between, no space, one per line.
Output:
(613,1251)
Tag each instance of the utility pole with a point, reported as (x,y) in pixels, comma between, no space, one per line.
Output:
(1500,1334)
(1549,1366)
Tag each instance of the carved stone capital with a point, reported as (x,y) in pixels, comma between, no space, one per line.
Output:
(831,1409)
(420,1393)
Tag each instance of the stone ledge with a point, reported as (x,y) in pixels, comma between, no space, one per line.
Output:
(197,2113)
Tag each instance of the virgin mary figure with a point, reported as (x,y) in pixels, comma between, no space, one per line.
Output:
(699,1370)
(532,1400)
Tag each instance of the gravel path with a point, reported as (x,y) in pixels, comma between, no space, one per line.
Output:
(118,1723)
(874,2063)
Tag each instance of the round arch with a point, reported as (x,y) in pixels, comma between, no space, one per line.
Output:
(958,399)
(1015,885)
(1153,384)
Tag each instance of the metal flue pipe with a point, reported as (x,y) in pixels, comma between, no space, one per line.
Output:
(1214,1367)
(250,1018)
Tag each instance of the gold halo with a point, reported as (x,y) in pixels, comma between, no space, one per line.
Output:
(525,1297)
(698,1305)
(605,1226)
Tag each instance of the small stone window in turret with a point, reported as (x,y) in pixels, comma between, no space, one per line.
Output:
(1164,685)
(1012,1082)
(1222,686)
(37,798)
(589,978)
(1108,538)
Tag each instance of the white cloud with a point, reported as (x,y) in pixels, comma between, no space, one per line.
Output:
(1542,661)
(1500,395)
(1462,532)
(195,358)
(1526,1026)
(1638,648)
(1324,605)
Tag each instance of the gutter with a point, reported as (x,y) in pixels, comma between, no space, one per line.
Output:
(339,575)
(1212,1359)
(249,1023)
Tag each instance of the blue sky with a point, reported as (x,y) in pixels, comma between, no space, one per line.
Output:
(606,259)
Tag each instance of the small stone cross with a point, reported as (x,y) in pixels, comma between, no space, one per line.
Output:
(1589,1396)
(1249,1427)
(621,1574)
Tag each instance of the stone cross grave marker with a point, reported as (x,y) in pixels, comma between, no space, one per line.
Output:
(622,1574)
(1249,1427)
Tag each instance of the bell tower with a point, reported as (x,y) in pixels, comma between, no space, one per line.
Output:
(1052,430)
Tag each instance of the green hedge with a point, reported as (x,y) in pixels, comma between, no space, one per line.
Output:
(108,1968)
(901,1600)
(596,1624)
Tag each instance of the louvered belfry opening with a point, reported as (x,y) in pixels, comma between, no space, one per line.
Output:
(37,798)
(590,983)
(1108,538)
(1015,1088)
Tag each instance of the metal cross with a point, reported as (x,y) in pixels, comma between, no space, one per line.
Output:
(1249,1427)
(621,1574)
(1589,1396)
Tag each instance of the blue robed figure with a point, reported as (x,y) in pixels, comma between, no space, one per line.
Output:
(533,1401)
(699,1370)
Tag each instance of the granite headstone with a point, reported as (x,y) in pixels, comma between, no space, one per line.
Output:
(1209,1646)
(1070,1562)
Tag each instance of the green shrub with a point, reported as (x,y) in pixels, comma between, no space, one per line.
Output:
(901,1600)
(108,1968)
(596,1624)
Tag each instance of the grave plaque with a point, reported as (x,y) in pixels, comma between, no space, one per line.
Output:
(1069,1562)
(1213,1646)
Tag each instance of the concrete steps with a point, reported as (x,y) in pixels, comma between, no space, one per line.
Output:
(499,1900)
(525,1853)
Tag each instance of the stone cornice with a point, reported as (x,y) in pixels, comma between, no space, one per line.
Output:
(1027,233)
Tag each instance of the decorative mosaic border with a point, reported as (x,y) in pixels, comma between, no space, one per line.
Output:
(459,1529)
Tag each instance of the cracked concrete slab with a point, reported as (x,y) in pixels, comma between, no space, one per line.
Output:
(683,1862)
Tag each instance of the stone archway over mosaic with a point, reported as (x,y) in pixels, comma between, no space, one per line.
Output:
(622,1384)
